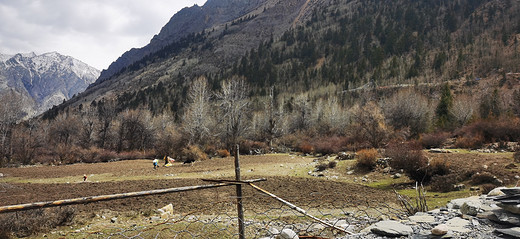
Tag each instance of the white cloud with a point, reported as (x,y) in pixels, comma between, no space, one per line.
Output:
(93,31)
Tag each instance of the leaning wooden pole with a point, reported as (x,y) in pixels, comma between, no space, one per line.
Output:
(298,209)
(84,200)
(240,207)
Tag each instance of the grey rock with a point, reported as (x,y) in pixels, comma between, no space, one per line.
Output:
(440,230)
(470,208)
(113,220)
(503,216)
(288,234)
(391,228)
(510,208)
(458,224)
(496,192)
(1,175)
(274,231)
(397,175)
(514,232)
(422,219)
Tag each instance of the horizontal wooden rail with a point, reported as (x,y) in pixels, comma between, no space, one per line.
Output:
(84,200)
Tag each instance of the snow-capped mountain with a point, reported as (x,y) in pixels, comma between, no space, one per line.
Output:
(44,80)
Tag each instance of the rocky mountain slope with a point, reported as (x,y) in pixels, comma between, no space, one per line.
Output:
(44,80)
(324,46)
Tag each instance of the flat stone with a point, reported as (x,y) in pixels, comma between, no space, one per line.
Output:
(391,228)
(514,232)
(510,208)
(422,219)
(274,231)
(440,230)
(503,216)
(458,224)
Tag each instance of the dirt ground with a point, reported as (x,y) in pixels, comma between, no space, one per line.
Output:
(45,183)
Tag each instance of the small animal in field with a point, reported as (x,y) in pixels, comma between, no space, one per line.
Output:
(189,161)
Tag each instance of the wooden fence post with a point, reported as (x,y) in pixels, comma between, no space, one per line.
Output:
(240,208)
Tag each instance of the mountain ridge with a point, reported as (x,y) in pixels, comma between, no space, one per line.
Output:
(44,80)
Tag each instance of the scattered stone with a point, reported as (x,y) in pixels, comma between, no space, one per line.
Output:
(511,166)
(350,172)
(475,188)
(503,216)
(512,208)
(396,176)
(274,231)
(391,228)
(166,209)
(440,230)
(155,218)
(113,220)
(1,175)
(288,234)
(459,187)
(440,151)
(422,219)
(457,203)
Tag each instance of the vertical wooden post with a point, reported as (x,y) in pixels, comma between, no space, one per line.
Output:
(240,208)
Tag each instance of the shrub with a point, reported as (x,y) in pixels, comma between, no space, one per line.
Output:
(24,224)
(332,164)
(409,157)
(474,142)
(516,157)
(223,153)
(253,147)
(493,129)
(306,148)
(483,178)
(439,167)
(433,140)
(443,183)
(193,153)
(321,167)
(367,158)
(329,145)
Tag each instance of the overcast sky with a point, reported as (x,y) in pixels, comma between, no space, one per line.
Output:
(96,32)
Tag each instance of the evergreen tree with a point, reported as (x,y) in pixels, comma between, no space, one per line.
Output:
(443,111)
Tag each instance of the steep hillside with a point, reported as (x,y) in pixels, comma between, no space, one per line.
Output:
(44,80)
(324,46)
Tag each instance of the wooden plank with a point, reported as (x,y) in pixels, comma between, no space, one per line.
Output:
(84,200)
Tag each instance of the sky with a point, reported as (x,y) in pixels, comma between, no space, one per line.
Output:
(96,32)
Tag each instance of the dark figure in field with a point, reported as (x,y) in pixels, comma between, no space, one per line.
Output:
(155,162)
(189,161)
(84,177)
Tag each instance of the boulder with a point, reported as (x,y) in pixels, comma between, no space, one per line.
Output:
(440,230)
(392,229)
(470,208)
(496,192)
(457,203)
(288,234)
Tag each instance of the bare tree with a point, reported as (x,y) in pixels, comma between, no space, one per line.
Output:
(135,131)
(106,112)
(302,112)
(463,109)
(10,111)
(88,120)
(27,139)
(196,121)
(233,104)
(408,108)
(369,124)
